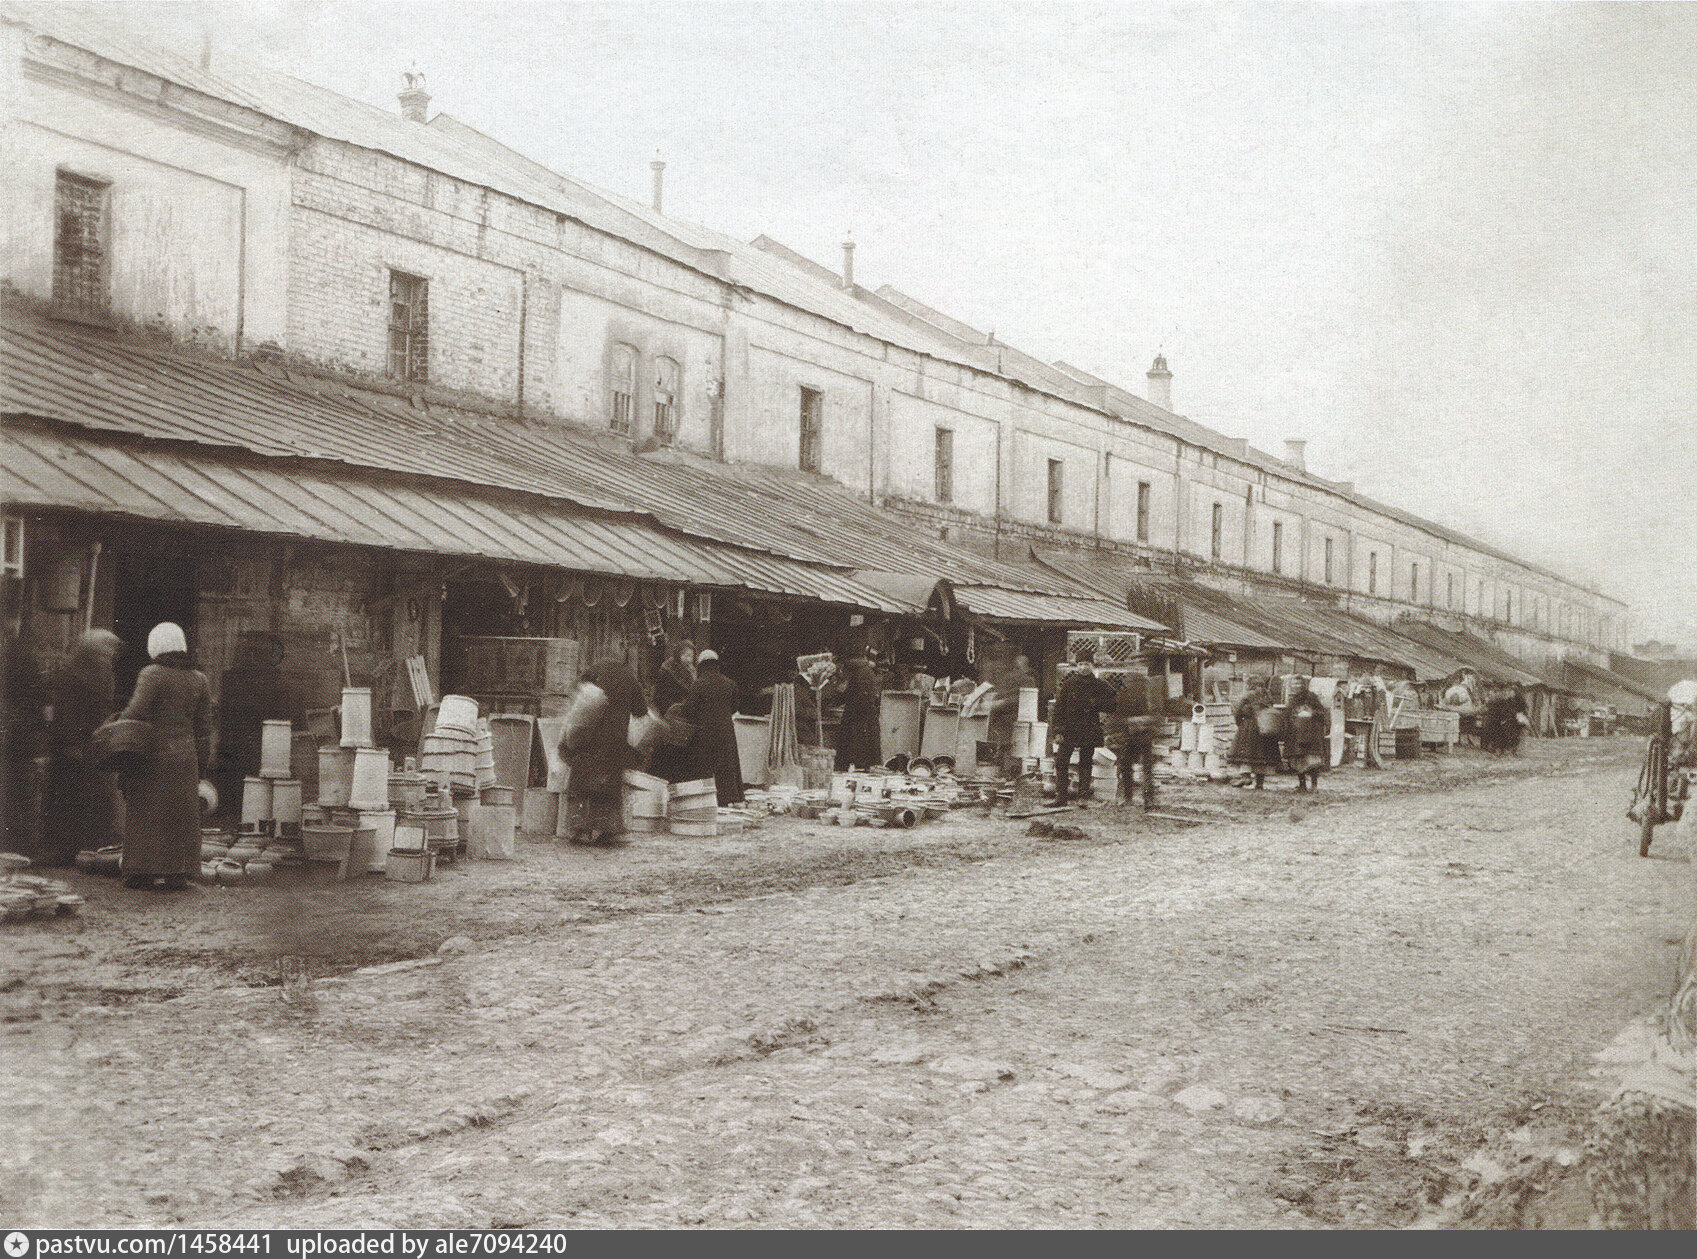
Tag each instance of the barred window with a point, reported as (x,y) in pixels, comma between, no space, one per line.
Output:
(1372,572)
(409,326)
(1216,540)
(621,384)
(1328,561)
(79,242)
(945,465)
(666,376)
(1414,583)
(812,429)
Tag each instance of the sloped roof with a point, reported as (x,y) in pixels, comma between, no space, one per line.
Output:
(96,380)
(179,483)
(1484,657)
(1596,681)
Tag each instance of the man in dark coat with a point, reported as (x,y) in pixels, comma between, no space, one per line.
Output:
(712,750)
(857,738)
(1079,706)
(23,745)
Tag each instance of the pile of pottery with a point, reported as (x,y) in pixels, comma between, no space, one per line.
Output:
(31,895)
(248,860)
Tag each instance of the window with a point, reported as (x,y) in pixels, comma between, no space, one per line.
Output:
(1143,511)
(1449,591)
(1508,606)
(1328,561)
(409,326)
(812,429)
(1372,572)
(1414,583)
(1479,605)
(1057,484)
(945,471)
(79,242)
(666,377)
(1216,538)
(621,387)
(1278,545)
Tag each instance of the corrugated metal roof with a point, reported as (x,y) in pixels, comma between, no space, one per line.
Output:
(82,376)
(1486,658)
(50,468)
(1079,612)
(1588,679)
(1112,579)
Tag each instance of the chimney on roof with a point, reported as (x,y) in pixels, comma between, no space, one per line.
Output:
(414,99)
(1294,453)
(848,262)
(1161,384)
(659,169)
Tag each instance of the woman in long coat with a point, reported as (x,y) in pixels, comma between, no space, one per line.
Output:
(671,688)
(857,737)
(1259,752)
(81,806)
(1310,738)
(712,750)
(600,754)
(162,823)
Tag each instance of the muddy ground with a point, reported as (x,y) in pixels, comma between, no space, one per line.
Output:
(1371,1008)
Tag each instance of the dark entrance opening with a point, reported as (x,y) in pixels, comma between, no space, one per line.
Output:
(149,586)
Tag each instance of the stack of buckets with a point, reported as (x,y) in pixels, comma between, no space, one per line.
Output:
(353,825)
(693,808)
(490,818)
(271,803)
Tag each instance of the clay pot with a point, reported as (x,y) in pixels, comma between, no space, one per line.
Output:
(259,871)
(210,851)
(208,872)
(230,873)
(86,860)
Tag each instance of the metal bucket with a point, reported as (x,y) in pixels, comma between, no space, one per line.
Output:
(356,717)
(276,742)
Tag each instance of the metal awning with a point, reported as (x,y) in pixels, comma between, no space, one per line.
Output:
(175,483)
(1069,611)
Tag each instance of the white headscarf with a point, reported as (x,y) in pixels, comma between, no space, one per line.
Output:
(165,637)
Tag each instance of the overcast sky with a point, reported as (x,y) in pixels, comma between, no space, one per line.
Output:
(1452,246)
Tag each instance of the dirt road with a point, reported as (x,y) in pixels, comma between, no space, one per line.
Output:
(1294,1014)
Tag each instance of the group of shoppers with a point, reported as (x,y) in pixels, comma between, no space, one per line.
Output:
(1297,737)
(60,798)
(690,735)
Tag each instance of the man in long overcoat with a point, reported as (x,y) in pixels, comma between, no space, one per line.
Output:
(712,751)
(1079,706)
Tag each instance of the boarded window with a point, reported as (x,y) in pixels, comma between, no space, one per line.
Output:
(945,471)
(1217,537)
(1449,591)
(812,430)
(79,242)
(1414,583)
(1143,491)
(409,326)
(667,374)
(621,388)
(1057,491)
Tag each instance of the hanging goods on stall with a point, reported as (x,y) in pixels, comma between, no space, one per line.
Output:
(275,746)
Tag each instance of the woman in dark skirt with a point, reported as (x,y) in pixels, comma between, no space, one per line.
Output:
(162,822)
(712,750)
(671,688)
(599,755)
(1250,747)
(80,809)
(1310,738)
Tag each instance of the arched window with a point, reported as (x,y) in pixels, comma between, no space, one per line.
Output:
(621,386)
(667,374)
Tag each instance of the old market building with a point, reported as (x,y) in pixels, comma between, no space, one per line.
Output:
(311,376)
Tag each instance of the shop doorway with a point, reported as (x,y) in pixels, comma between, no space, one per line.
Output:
(149,586)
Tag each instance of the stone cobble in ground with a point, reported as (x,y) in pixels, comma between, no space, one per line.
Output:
(1306,1012)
